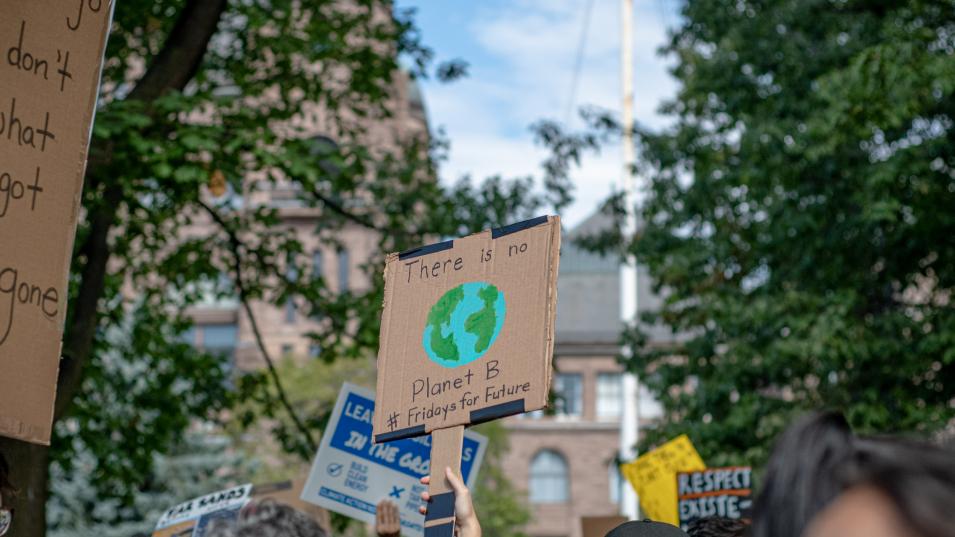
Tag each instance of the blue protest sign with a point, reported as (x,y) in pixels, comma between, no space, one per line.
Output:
(351,473)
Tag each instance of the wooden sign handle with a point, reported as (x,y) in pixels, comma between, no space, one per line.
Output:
(446,445)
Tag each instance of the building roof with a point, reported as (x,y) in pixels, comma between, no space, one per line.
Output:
(588,289)
(588,293)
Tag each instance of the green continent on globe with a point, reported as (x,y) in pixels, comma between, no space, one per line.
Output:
(482,323)
(440,314)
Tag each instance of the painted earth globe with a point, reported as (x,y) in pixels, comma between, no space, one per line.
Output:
(463,324)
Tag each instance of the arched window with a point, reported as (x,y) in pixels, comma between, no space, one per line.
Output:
(550,481)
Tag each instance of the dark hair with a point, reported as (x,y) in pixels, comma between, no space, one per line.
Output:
(7,490)
(270,519)
(818,458)
(646,528)
(716,526)
(918,477)
(800,476)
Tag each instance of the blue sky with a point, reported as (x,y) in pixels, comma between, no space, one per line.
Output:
(522,55)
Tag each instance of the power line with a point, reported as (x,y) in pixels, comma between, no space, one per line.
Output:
(578,62)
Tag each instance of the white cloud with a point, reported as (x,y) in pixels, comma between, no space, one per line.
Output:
(531,47)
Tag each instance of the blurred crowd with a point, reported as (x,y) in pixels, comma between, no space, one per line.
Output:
(822,480)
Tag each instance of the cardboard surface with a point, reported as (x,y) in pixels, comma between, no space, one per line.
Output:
(599,526)
(351,474)
(51,53)
(445,453)
(724,492)
(446,447)
(467,331)
(653,476)
(194,518)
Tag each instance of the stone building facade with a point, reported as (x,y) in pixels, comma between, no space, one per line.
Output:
(221,325)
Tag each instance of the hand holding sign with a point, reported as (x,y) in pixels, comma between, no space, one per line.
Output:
(465,518)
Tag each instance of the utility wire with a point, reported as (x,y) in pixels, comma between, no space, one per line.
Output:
(578,62)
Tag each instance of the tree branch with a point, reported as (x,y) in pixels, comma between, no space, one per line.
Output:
(182,53)
(236,245)
(340,210)
(170,70)
(78,344)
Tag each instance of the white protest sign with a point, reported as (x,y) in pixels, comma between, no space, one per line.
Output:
(196,516)
(351,474)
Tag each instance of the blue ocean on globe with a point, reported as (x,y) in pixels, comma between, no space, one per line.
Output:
(467,320)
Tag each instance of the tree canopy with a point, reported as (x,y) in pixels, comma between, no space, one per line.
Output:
(200,91)
(798,221)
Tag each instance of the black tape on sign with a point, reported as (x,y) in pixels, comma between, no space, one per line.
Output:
(400,434)
(520,226)
(497,411)
(495,233)
(425,250)
(440,506)
(444,530)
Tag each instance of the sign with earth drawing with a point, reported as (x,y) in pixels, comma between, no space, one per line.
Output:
(467,330)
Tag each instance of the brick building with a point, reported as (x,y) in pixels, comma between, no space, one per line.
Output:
(221,325)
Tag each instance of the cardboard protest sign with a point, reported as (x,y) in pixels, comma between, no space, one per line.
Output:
(196,517)
(467,336)
(724,492)
(51,54)
(653,476)
(467,332)
(351,474)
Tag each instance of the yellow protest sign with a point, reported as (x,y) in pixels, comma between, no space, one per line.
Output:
(653,476)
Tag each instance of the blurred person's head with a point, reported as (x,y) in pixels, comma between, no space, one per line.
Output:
(270,519)
(646,528)
(800,475)
(823,481)
(892,488)
(716,526)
